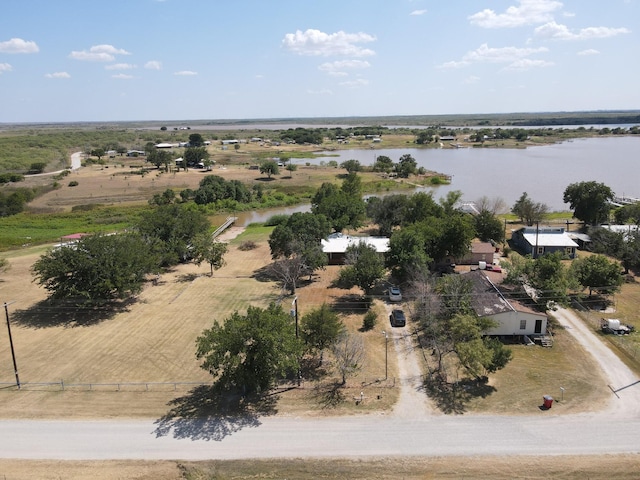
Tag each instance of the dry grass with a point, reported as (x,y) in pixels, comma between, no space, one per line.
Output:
(594,467)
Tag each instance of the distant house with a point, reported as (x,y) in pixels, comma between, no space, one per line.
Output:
(230,142)
(512,318)
(336,244)
(478,252)
(136,153)
(537,241)
(164,145)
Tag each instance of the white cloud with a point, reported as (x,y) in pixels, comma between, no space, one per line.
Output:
(5,67)
(58,75)
(589,51)
(122,76)
(185,73)
(259,76)
(525,64)
(361,82)
(337,68)
(555,31)
(486,54)
(317,43)
(418,12)
(98,53)
(471,80)
(528,12)
(153,65)
(120,66)
(18,45)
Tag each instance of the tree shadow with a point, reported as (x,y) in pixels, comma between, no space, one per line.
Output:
(68,313)
(453,398)
(312,368)
(329,395)
(207,413)
(188,277)
(265,274)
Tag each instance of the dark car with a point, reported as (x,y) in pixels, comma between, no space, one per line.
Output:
(397,318)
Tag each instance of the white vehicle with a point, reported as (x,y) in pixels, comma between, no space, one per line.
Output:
(394,294)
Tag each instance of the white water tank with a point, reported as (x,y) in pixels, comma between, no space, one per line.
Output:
(614,324)
(482,265)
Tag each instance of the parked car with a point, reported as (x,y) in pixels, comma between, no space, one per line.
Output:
(397,318)
(394,294)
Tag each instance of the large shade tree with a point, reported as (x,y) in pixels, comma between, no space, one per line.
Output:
(171,229)
(250,352)
(590,201)
(96,269)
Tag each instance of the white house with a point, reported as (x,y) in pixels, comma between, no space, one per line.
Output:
(336,244)
(512,318)
(538,241)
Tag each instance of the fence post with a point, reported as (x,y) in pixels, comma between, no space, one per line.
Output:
(62,384)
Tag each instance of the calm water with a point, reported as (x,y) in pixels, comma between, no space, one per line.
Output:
(543,172)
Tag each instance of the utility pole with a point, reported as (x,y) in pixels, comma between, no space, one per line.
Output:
(295,312)
(13,353)
(386,355)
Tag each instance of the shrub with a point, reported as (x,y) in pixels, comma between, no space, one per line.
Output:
(369,321)
(278,219)
(73,183)
(247,245)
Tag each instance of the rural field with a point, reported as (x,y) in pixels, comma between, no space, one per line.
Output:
(139,362)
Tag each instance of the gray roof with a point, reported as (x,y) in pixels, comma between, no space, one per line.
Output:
(486,299)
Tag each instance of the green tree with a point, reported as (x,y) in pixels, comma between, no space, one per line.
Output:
(406,166)
(171,229)
(388,212)
(269,167)
(342,209)
(364,267)
(320,328)
(488,227)
(529,211)
(160,158)
(195,155)
(98,152)
(97,269)
(38,167)
(383,164)
(598,274)
(207,249)
(196,140)
(590,201)
(291,167)
(250,352)
(300,231)
(351,166)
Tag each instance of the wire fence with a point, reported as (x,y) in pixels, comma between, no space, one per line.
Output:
(61,385)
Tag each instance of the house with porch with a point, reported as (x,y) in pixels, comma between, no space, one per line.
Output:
(513,319)
(537,241)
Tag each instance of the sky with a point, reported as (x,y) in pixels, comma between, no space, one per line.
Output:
(128,60)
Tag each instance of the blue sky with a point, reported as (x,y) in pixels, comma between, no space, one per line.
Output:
(119,60)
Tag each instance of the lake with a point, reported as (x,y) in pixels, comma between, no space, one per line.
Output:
(544,172)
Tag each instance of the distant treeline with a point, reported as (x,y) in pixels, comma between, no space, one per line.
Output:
(580,120)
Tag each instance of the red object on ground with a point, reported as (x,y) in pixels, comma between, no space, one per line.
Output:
(547,401)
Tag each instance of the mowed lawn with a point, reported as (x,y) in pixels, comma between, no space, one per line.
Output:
(152,342)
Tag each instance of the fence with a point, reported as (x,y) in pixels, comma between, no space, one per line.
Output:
(97,386)
(165,386)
